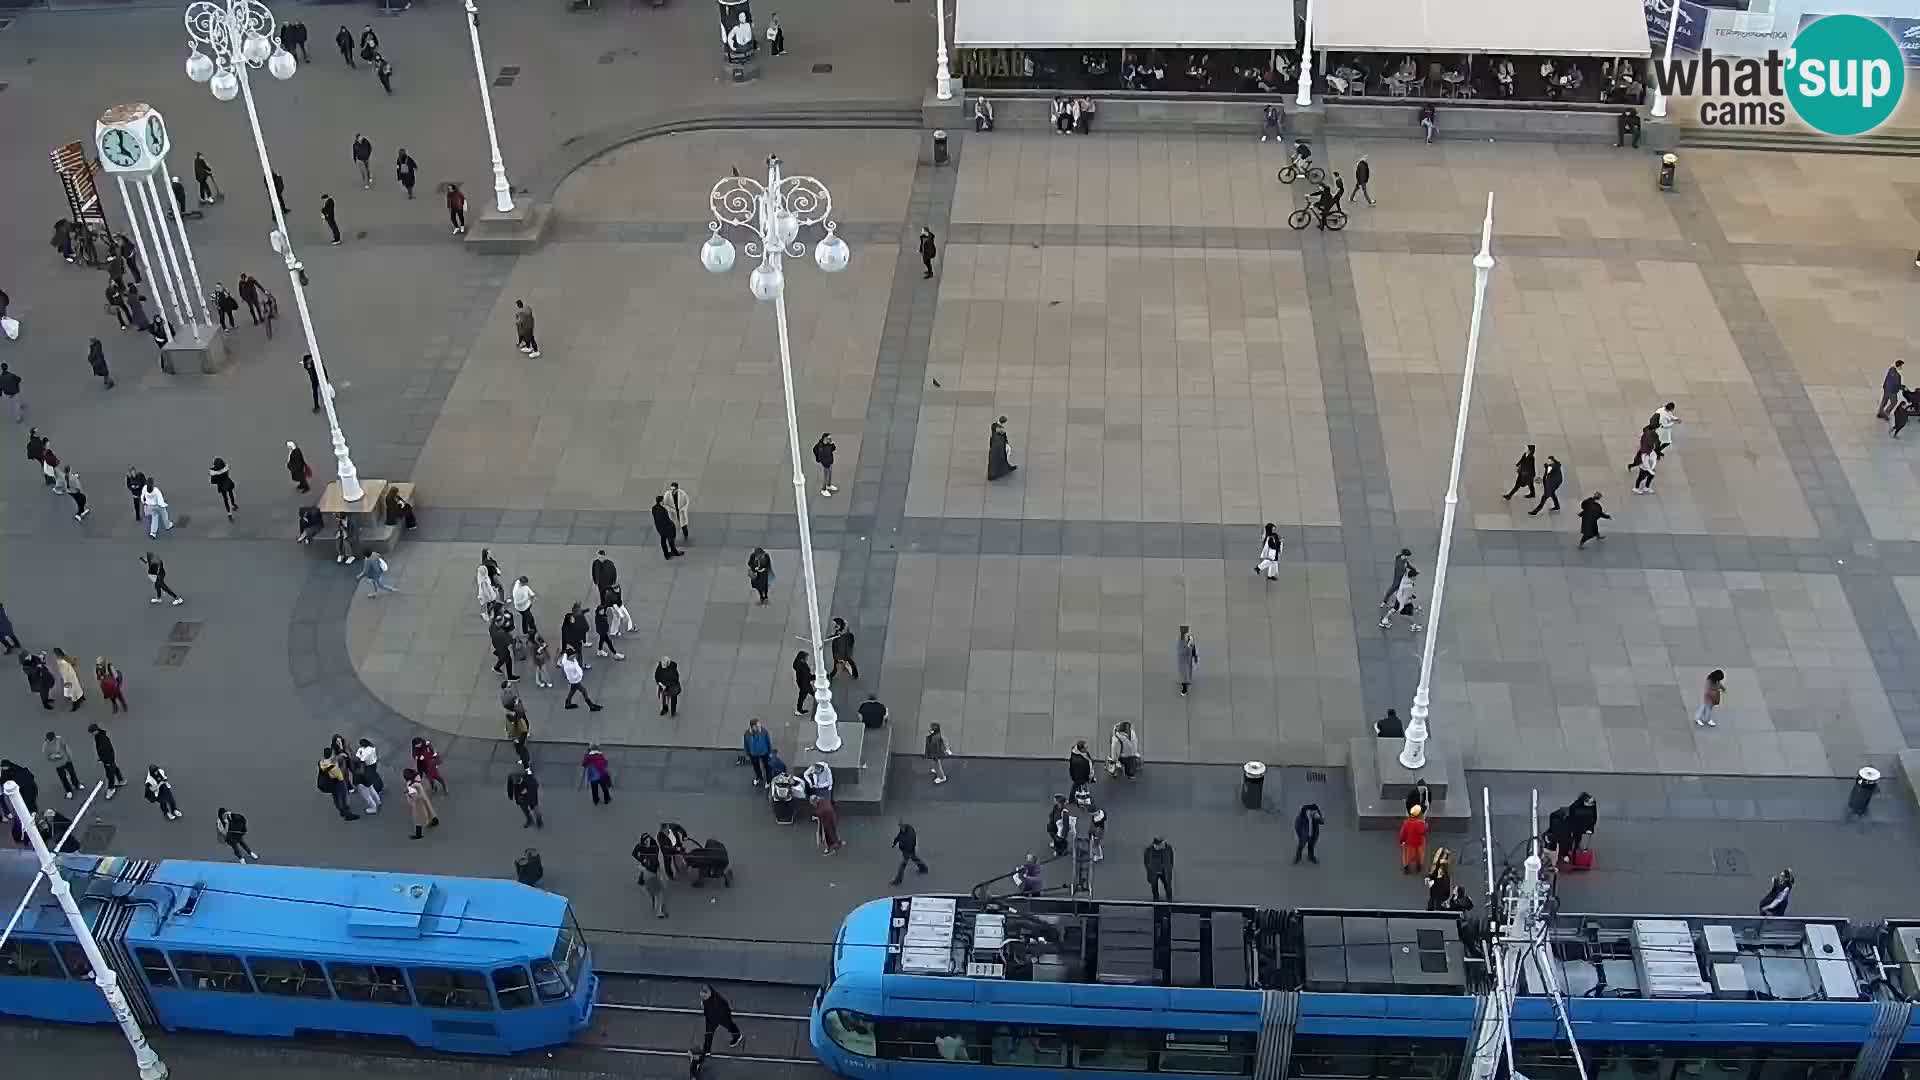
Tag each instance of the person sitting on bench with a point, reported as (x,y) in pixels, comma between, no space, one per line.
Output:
(310,524)
(397,510)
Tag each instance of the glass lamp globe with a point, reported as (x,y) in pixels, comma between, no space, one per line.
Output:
(785,227)
(831,254)
(256,48)
(199,66)
(717,254)
(767,282)
(225,85)
(281,64)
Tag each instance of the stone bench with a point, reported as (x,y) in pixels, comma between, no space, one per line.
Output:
(373,531)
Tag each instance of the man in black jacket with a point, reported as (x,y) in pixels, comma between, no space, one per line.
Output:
(1550,486)
(663,524)
(1159,860)
(523,790)
(1591,515)
(103,750)
(908,842)
(1523,471)
(605,576)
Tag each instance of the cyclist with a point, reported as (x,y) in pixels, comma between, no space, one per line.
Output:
(1323,202)
(1302,156)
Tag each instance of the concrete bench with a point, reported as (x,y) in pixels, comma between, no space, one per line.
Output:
(371,527)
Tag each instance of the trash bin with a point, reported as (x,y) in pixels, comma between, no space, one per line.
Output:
(1669,164)
(940,147)
(528,869)
(1865,783)
(1253,778)
(784,794)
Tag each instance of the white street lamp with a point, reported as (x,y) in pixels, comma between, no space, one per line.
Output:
(1305,97)
(502,191)
(1413,754)
(144,1056)
(942,75)
(240,34)
(1673,24)
(775,213)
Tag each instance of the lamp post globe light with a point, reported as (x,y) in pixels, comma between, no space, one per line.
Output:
(240,35)
(773,214)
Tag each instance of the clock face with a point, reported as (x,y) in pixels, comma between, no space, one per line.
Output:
(121,147)
(156,136)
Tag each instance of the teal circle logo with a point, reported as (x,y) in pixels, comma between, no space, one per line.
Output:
(1845,74)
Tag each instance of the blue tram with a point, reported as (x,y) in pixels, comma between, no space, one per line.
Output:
(955,987)
(458,964)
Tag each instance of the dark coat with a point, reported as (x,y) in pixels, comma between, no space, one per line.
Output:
(906,839)
(1555,472)
(1159,860)
(667,677)
(296,465)
(1523,469)
(523,788)
(802,674)
(605,574)
(663,521)
(1306,824)
(103,747)
(1079,767)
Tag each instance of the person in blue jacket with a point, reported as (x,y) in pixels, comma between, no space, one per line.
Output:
(758,745)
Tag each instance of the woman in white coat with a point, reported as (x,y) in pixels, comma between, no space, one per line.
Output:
(1270,548)
(489,593)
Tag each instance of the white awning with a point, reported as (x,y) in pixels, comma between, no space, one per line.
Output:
(1120,24)
(1528,27)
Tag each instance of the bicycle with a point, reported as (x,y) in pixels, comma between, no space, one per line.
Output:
(1294,170)
(1303,217)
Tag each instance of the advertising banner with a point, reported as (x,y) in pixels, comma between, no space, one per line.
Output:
(737,39)
(1688,35)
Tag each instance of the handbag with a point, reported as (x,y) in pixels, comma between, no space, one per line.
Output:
(10,326)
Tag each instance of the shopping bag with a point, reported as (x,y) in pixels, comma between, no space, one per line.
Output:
(11,327)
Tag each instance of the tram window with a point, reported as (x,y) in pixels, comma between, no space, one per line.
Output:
(548,981)
(1328,1057)
(1018,1044)
(212,971)
(154,963)
(850,1031)
(1686,1061)
(1222,1053)
(512,987)
(570,951)
(451,988)
(288,977)
(378,984)
(25,959)
(78,966)
(1117,1049)
(931,1040)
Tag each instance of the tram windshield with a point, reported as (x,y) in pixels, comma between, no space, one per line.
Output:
(570,949)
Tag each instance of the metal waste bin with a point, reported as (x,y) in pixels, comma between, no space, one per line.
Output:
(1865,783)
(784,793)
(1253,779)
(1669,165)
(940,147)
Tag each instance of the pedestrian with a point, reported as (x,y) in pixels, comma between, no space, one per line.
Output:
(573,635)
(1159,862)
(803,680)
(1903,411)
(157,576)
(666,678)
(1362,172)
(523,790)
(500,636)
(70,483)
(1549,486)
(137,307)
(1890,385)
(1714,692)
(179,197)
(313,387)
(419,803)
(605,575)
(248,287)
(61,758)
(1440,880)
(10,389)
(298,470)
(1123,751)
(40,451)
(1523,475)
(760,572)
(999,451)
(1186,657)
(1097,834)
(539,654)
(1419,795)
(518,730)
(457,208)
(344,41)
(40,678)
(363,158)
(1413,841)
(679,505)
(776,38)
(1582,815)
(426,762)
(936,753)
(112,685)
(160,792)
(97,362)
(23,776)
(132,256)
(928,250)
(1428,121)
(842,641)
(279,195)
(8,640)
(605,624)
(1591,515)
(327,214)
(332,778)
(117,299)
(1405,602)
(224,306)
(619,619)
(826,820)
(523,329)
(1062,826)
(872,713)
(1667,418)
(757,744)
(366,775)
(570,667)
(523,597)
(231,827)
(297,39)
(1306,832)
(1648,463)
(1402,562)
(1027,878)
(103,751)
(599,775)
(1779,893)
(1458,901)
(823,456)
(1271,548)
(717,1014)
(907,842)
(383,70)
(1269,124)
(663,524)
(369,44)
(346,540)
(70,686)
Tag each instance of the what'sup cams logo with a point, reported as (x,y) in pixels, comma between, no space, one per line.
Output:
(1843,76)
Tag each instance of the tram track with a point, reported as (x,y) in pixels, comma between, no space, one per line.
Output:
(639,1017)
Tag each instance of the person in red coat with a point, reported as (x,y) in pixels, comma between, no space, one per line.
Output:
(1413,841)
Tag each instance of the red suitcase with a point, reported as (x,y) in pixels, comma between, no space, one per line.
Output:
(1582,860)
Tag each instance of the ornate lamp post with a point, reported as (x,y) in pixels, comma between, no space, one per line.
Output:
(1305,96)
(942,75)
(774,214)
(1413,753)
(502,191)
(240,35)
(1673,25)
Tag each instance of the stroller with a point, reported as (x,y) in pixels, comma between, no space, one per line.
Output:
(709,863)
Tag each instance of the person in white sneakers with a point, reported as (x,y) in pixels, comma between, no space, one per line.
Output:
(823,455)
(523,329)
(1404,599)
(154,504)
